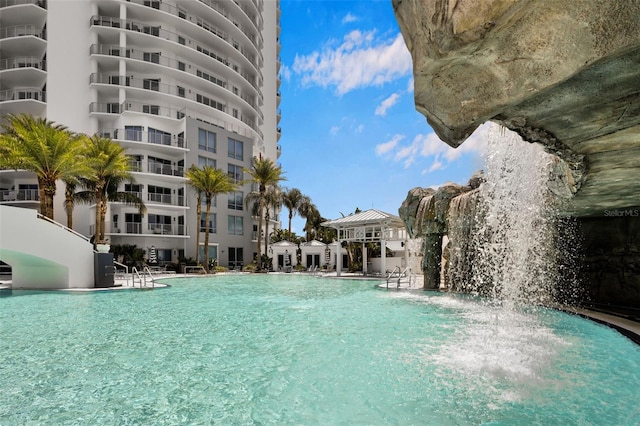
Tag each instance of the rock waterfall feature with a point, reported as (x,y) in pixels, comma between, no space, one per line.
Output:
(565,75)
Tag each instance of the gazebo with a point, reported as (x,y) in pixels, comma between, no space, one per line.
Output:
(370,226)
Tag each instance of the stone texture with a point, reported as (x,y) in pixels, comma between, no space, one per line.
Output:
(561,73)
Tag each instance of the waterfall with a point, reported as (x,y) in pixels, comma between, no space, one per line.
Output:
(513,244)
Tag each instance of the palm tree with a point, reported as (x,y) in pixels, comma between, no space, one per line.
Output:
(109,169)
(265,173)
(295,202)
(195,180)
(209,182)
(310,212)
(49,150)
(272,203)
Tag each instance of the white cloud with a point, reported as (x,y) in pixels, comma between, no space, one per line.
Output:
(285,72)
(349,18)
(385,147)
(430,146)
(334,130)
(381,110)
(359,61)
(410,85)
(360,128)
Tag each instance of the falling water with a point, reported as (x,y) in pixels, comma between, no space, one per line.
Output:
(514,238)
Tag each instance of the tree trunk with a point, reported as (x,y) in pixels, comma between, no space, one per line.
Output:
(260,212)
(206,235)
(199,214)
(266,231)
(42,195)
(290,218)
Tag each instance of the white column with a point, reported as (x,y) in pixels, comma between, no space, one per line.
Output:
(339,255)
(364,257)
(383,250)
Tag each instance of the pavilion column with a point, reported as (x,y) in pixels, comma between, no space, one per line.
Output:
(383,251)
(339,255)
(364,258)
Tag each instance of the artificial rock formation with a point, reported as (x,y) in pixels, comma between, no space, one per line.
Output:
(561,73)
(565,74)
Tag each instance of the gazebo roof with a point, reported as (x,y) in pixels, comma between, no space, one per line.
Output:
(367,217)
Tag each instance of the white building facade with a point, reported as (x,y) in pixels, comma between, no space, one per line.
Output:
(176,82)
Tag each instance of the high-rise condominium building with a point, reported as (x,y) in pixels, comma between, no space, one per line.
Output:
(176,82)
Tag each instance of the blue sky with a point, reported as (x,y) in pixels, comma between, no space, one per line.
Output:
(351,136)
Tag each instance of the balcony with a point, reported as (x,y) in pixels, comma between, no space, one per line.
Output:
(19,195)
(23,62)
(22,31)
(166,199)
(136,228)
(8,3)
(112,22)
(22,94)
(165,169)
(144,137)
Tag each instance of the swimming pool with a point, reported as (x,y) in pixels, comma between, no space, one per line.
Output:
(282,349)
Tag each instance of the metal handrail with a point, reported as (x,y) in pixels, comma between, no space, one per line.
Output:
(146,270)
(391,274)
(126,270)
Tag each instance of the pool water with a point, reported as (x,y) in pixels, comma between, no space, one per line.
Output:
(282,349)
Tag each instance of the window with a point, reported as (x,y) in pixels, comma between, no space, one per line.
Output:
(182,14)
(181,40)
(181,91)
(236,225)
(151,109)
(152,3)
(154,31)
(159,194)
(133,188)
(206,161)
(133,133)
(235,200)
(236,149)
(212,222)
(236,113)
(151,57)
(235,172)
(151,84)
(113,108)
(236,257)
(159,137)
(133,222)
(181,66)
(159,224)
(213,252)
(206,140)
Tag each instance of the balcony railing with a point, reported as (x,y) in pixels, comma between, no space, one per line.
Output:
(140,136)
(21,31)
(23,62)
(114,50)
(151,229)
(168,112)
(7,3)
(108,21)
(20,195)
(22,94)
(164,169)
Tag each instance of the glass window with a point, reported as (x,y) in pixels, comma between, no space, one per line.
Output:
(236,149)
(212,222)
(235,172)
(213,252)
(159,137)
(133,133)
(236,225)
(235,200)
(206,140)
(205,161)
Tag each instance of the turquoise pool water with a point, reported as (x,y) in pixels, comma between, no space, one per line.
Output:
(301,350)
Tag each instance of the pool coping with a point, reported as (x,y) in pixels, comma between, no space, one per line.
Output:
(624,326)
